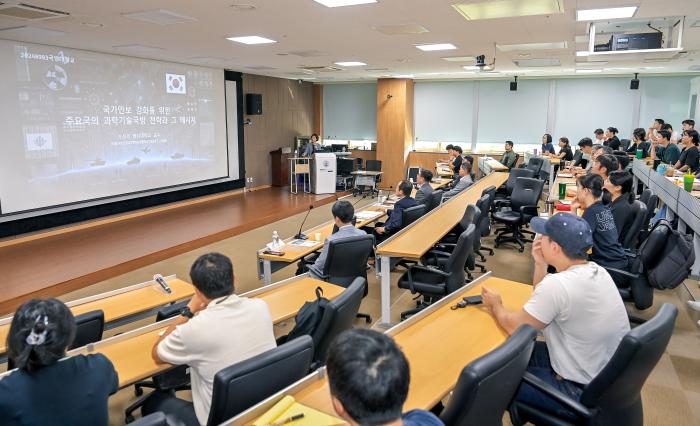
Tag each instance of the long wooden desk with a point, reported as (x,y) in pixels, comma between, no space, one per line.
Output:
(268,264)
(416,239)
(131,352)
(438,343)
(121,304)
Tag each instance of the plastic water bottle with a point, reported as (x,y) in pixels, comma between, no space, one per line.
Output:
(275,239)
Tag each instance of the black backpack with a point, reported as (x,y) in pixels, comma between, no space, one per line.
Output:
(670,265)
(309,316)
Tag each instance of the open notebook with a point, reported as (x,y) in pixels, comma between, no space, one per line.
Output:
(288,407)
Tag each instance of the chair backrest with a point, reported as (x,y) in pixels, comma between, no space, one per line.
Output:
(358,162)
(458,258)
(651,200)
(527,192)
(347,259)
(639,214)
(153,419)
(616,389)
(345,166)
(535,164)
(624,144)
(578,155)
(412,214)
(644,197)
(412,174)
(483,205)
(515,173)
(337,317)
(244,384)
(435,199)
(487,385)
(515,163)
(485,221)
(471,216)
(373,165)
(89,328)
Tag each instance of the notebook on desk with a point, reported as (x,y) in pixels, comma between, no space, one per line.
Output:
(287,408)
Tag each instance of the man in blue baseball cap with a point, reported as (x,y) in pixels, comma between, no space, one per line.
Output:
(578,309)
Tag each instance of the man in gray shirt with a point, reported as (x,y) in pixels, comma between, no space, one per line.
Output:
(464,182)
(343,213)
(424,189)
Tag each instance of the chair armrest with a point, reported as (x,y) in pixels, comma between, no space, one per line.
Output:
(621,272)
(427,269)
(528,211)
(571,404)
(440,253)
(499,204)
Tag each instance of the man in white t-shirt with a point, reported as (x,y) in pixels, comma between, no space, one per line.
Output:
(216,329)
(578,309)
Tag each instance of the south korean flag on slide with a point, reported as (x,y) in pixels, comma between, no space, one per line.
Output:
(176,83)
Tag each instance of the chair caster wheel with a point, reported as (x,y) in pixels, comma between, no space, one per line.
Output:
(521,250)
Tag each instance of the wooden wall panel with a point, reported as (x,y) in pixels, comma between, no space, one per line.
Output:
(318,109)
(288,109)
(394,127)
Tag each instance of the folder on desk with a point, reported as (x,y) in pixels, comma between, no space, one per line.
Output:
(288,407)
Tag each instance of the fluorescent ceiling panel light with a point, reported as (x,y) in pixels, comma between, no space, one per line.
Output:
(436,46)
(340,3)
(251,40)
(260,67)
(538,62)
(604,14)
(531,46)
(140,48)
(508,8)
(403,76)
(350,64)
(459,58)
(583,53)
(159,17)
(582,39)
(401,29)
(475,68)
(588,71)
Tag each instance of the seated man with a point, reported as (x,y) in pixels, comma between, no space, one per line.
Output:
(368,376)
(579,310)
(343,212)
(424,187)
(215,330)
(586,147)
(663,149)
(604,164)
(509,157)
(464,182)
(382,231)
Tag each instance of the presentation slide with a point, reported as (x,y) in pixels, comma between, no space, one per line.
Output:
(79,126)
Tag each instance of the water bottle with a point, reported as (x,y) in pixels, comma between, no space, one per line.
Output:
(275,239)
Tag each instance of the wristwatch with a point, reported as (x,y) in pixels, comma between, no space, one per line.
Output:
(186,312)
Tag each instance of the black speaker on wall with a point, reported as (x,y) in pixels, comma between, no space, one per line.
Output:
(253,104)
(514,84)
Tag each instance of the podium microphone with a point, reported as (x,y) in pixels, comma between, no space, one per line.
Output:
(161,281)
(300,235)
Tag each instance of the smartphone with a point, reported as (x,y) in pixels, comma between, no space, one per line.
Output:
(473,300)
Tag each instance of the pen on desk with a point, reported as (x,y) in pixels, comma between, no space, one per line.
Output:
(288,420)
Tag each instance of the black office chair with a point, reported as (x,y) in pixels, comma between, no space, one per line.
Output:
(408,216)
(358,164)
(535,164)
(172,380)
(639,214)
(578,156)
(481,204)
(523,205)
(487,385)
(625,144)
(613,396)
(472,215)
(374,166)
(435,200)
(338,316)
(89,328)
(347,260)
(154,419)
(485,220)
(448,276)
(504,197)
(651,200)
(242,385)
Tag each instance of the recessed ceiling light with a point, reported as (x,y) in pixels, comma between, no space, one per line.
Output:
(436,46)
(31,32)
(141,48)
(524,55)
(607,13)
(350,64)
(583,53)
(401,29)
(508,8)
(159,16)
(532,46)
(475,68)
(376,69)
(538,62)
(251,40)
(243,7)
(339,3)
(582,39)
(93,24)
(260,67)
(459,58)
(588,71)
(403,76)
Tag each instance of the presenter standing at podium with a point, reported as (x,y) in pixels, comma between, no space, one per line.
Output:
(311,147)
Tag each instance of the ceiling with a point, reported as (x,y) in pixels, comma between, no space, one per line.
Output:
(311,35)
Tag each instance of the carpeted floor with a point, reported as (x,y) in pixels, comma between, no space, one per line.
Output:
(671,394)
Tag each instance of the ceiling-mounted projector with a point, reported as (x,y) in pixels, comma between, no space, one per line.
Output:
(481,61)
